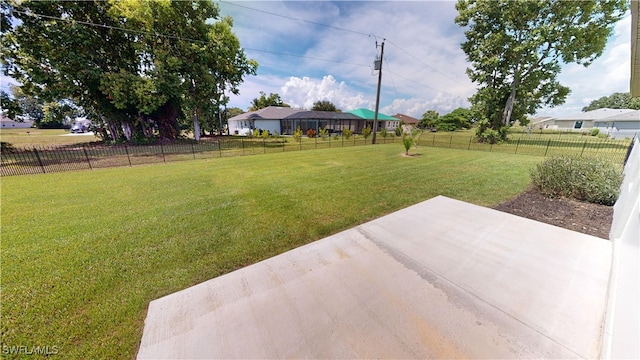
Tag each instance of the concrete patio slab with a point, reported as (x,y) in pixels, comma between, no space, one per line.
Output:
(440,279)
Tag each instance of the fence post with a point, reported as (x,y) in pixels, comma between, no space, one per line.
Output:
(87,156)
(300,143)
(193,151)
(583,146)
(162,150)
(547,149)
(39,160)
(264,145)
(433,143)
(470,138)
(242,141)
(450,141)
(127,151)
(518,144)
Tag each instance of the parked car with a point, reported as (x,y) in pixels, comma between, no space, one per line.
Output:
(78,128)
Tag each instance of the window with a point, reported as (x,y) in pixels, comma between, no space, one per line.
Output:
(578,125)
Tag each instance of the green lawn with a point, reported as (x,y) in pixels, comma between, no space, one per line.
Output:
(26,138)
(83,253)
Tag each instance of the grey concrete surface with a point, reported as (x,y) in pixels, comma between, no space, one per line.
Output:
(440,279)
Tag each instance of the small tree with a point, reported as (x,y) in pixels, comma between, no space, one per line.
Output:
(265,134)
(384,133)
(324,133)
(297,134)
(407,141)
(398,130)
(346,132)
(366,132)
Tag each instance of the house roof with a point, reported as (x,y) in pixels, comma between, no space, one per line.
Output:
(628,116)
(268,113)
(280,113)
(595,114)
(406,118)
(370,115)
(311,114)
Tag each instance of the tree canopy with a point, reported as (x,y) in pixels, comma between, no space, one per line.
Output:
(457,119)
(134,66)
(428,119)
(324,105)
(516,48)
(619,100)
(273,99)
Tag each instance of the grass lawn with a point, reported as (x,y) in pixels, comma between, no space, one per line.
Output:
(26,138)
(84,252)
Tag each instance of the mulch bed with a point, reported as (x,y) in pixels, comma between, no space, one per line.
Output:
(587,218)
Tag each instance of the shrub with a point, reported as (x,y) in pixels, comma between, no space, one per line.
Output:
(346,132)
(366,132)
(6,147)
(256,133)
(324,132)
(384,133)
(594,132)
(297,134)
(589,179)
(311,133)
(398,131)
(265,134)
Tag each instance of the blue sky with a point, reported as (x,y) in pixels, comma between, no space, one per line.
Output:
(424,66)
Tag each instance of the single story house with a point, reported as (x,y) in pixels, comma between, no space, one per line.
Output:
(7,123)
(284,120)
(583,121)
(384,121)
(620,126)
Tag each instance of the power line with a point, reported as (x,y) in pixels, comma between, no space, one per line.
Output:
(420,60)
(179,38)
(298,19)
(347,30)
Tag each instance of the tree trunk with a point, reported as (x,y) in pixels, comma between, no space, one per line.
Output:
(508,108)
(196,126)
(166,118)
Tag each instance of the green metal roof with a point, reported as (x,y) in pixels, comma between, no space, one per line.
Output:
(370,115)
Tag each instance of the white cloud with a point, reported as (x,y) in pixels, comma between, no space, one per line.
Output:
(424,66)
(303,92)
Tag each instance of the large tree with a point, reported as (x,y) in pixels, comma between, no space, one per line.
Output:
(273,99)
(324,105)
(137,66)
(619,100)
(516,49)
(429,119)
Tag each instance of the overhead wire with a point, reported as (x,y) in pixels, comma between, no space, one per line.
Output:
(179,38)
(350,31)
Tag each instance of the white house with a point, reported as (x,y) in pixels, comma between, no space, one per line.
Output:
(284,120)
(625,125)
(584,121)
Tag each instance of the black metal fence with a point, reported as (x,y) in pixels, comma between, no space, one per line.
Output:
(40,160)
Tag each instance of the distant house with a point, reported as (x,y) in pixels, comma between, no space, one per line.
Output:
(384,121)
(7,123)
(621,125)
(407,119)
(585,120)
(285,120)
(540,122)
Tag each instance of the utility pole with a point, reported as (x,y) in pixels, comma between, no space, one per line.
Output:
(375,120)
